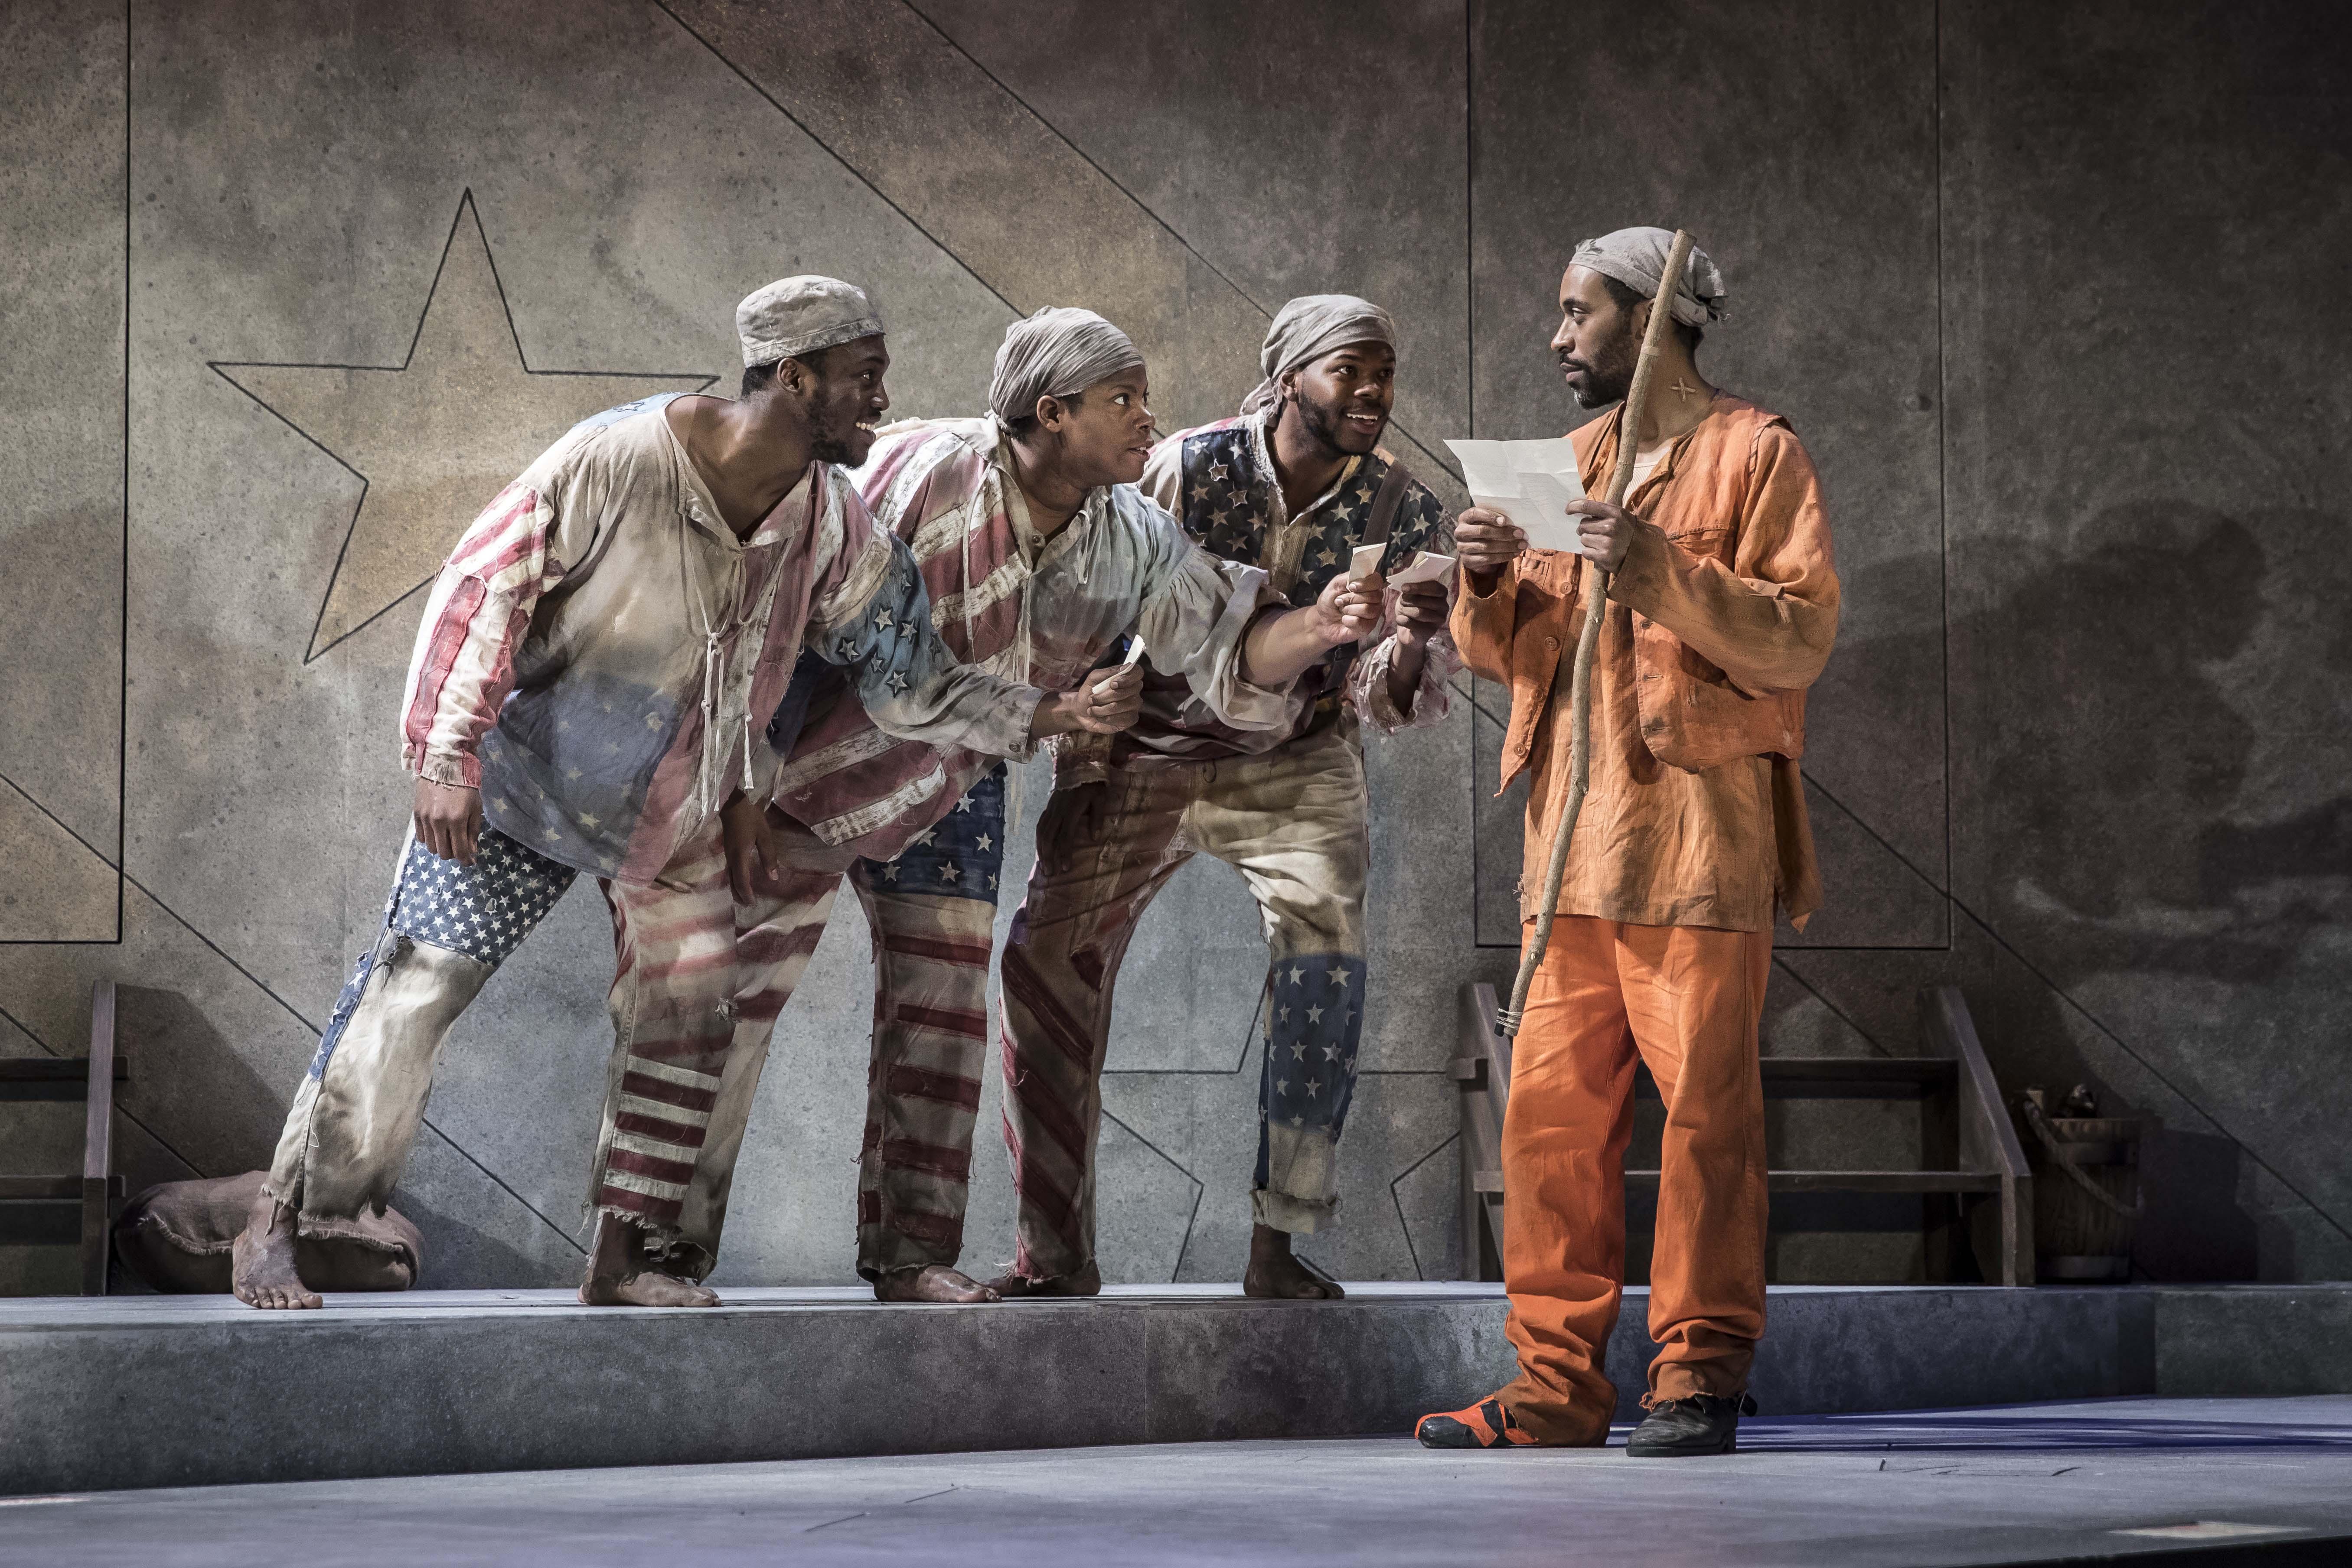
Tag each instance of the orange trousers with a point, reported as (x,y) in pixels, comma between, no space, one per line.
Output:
(1688,999)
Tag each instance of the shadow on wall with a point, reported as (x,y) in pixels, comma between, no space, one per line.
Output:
(455,1250)
(2138,814)
(2150,765)
(223,1117)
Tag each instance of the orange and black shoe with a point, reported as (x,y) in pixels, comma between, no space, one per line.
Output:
(1486,1425)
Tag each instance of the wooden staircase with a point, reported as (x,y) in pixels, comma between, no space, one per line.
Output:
(1971,1158)
(92,1195)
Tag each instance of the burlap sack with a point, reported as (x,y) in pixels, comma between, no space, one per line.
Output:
(177,1237)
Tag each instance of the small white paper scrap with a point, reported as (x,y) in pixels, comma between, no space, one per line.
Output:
(1530,483)
(1134,655)
(1365,561)
(1428,566)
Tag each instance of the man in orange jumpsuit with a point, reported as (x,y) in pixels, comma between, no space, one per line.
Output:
(1721,612)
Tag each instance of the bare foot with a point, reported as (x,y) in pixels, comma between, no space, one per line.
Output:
(933,1282)
(644,1288)
(262,1261)
(617,1275)
(1087,1281)
(1277,1275)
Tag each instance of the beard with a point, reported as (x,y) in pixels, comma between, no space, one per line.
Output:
(836,438)
(1607,375)
(1328,423)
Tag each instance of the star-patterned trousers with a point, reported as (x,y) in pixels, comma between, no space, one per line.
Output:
(1292,823)
(447,930)
(932,913)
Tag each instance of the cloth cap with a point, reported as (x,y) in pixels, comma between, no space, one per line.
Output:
(1057,353)
(797,316)
(1635,257)
(1308,328)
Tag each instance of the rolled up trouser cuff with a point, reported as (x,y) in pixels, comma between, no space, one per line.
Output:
(1300,1216)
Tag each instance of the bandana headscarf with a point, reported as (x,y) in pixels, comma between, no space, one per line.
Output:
(1635,257)
(1308,328)
(797,316)
(1057,353)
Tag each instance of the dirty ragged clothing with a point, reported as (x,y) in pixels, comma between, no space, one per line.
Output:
(596,649)
(1024,608)
(1220,482)
(1723,612)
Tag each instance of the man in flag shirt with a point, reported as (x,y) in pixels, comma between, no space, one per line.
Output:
(1295,486)
(581,700)
(1041,558)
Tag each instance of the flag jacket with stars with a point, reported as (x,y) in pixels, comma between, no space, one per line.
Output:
(1219,480)
(595,647)
(1048,610)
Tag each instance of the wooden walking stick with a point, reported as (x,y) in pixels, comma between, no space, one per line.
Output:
(1596,604)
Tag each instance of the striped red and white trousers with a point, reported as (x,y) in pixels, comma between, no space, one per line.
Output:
(932,915)
(1292,821)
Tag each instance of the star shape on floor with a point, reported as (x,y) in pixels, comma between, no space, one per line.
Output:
(434,437)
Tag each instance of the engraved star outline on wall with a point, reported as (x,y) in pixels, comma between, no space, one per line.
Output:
(1215,1131)
(432,439)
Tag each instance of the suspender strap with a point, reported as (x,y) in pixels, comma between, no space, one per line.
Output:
(1385,506)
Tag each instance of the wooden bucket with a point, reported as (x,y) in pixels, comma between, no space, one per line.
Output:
(2086,1193)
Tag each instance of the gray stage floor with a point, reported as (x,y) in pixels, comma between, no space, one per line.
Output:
(2016,1484)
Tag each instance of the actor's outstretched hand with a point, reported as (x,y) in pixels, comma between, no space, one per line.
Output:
(1422,611)
(449,820)
(1603,532)
(751,869)
(1104,704)
(1349,611)
(1486,542)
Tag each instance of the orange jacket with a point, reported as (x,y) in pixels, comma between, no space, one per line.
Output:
(1723,612)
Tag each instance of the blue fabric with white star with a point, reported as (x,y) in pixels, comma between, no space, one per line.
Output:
(567,761)
(1315,1016)
(483,911)
(959,856)
(890,646)
(1228,496)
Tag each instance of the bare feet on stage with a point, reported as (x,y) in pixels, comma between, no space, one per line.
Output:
(263,1273)
(617,1275)
(1277,1276)
(933,1283)
(1087,1281)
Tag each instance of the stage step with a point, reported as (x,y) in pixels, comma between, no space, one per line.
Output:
(145,1391)
(1843,1077)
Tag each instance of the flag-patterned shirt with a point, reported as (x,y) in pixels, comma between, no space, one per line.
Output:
(1219,479)
(597,645)
(1048,610)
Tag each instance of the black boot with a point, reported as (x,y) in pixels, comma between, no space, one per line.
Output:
(1699,1424)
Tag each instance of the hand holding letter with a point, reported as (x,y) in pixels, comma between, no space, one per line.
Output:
(1603,532)
(1486,542)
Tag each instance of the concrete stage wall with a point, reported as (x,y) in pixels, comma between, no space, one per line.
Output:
(2051,290)
(443,1382)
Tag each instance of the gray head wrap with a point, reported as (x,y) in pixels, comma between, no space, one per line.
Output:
(1635,257)
(1308,328)
(1057,353)
(797,316)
